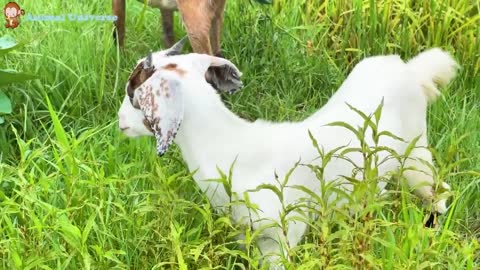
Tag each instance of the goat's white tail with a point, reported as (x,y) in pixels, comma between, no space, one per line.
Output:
(433,67)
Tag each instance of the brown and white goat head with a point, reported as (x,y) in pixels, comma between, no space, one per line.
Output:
(153,104)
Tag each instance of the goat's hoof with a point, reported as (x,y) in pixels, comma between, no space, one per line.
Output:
(432,220)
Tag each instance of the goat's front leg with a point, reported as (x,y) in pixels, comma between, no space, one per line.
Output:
(197,16)
(167,27)
(216,30)
(118,8)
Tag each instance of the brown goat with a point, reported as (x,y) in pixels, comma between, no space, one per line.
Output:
(202,19)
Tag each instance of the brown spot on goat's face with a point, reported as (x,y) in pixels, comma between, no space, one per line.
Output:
(173,67)
(147,125)
(147,99)
(148,102)
(163,90)
(170,66)
(171,134)
(137,78)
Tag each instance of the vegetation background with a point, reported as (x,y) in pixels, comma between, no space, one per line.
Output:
(76,194)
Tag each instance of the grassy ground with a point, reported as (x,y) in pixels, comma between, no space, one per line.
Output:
(76,194)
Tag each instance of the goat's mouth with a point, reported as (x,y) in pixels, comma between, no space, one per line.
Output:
(124,128)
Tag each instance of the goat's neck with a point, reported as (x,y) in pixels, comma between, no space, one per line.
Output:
(207,126)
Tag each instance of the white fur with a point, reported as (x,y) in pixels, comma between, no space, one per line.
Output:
(212,137)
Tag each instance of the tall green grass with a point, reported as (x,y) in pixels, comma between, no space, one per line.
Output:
(75,193)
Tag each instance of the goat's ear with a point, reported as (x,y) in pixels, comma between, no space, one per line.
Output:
(222,74)
(160,99)
(139,75)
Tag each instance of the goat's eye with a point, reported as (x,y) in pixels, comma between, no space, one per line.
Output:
(130,94)
(134,104)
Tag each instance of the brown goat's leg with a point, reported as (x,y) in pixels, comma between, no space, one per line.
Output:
(167,27)
(197,17)
(216,30)
(118,8)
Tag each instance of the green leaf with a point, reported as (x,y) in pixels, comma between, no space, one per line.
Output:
(60,133)
(309,192)
(176,232)
(391,135)
(196,252)
(411,146)
(11,76)
(289,173)
(357,133)
(378,111)
(315,143)
(5,104)
(269,187)
(8,43)
(70,233)
(365,117)
(224,180)
(2,120)
(17,260)
(88,228)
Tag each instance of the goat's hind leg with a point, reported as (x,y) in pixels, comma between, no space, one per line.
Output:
(419,175)
(118,8)
(167,27)
(197,17)
(217,76)
(216,30)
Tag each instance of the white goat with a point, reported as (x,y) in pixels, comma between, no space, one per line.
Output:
(164,91)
